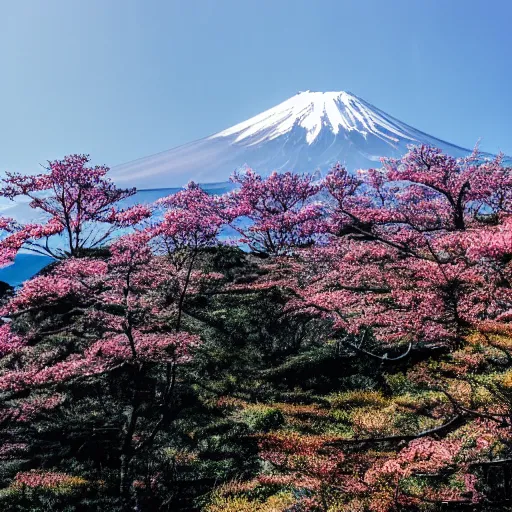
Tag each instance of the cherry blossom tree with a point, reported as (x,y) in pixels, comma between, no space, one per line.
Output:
(273,214)
(191,223)
(112,319)
(75,201)
(407,257)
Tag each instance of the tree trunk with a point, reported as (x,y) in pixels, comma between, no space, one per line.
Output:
(126,458)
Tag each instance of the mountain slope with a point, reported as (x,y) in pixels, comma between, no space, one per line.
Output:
(309,131)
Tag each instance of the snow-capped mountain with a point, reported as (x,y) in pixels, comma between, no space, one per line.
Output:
(308,132)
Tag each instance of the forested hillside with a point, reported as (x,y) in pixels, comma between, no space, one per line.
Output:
(349,348)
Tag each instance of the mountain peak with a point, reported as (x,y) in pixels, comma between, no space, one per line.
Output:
(338,111)
(309,131)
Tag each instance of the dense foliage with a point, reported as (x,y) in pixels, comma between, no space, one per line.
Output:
(356,355)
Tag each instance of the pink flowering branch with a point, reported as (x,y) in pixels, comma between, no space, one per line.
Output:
(79,201)
(275,214)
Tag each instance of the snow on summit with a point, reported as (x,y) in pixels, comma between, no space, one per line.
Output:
(305,133)
(313,111)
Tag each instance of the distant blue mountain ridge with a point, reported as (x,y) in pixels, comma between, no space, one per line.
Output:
(26,264)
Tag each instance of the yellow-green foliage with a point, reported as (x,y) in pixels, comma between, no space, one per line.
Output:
(374,421)
(277,503)
(506,380)
(259,417)
(399,383)
(358,398)
(424,400)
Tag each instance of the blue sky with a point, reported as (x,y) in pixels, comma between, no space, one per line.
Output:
(122,79)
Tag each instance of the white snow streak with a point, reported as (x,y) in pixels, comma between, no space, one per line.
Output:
(312,111)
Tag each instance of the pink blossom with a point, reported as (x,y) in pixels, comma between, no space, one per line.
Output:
(76,198)
(9,341)
(274,214)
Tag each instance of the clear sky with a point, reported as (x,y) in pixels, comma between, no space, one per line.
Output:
(122,79)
